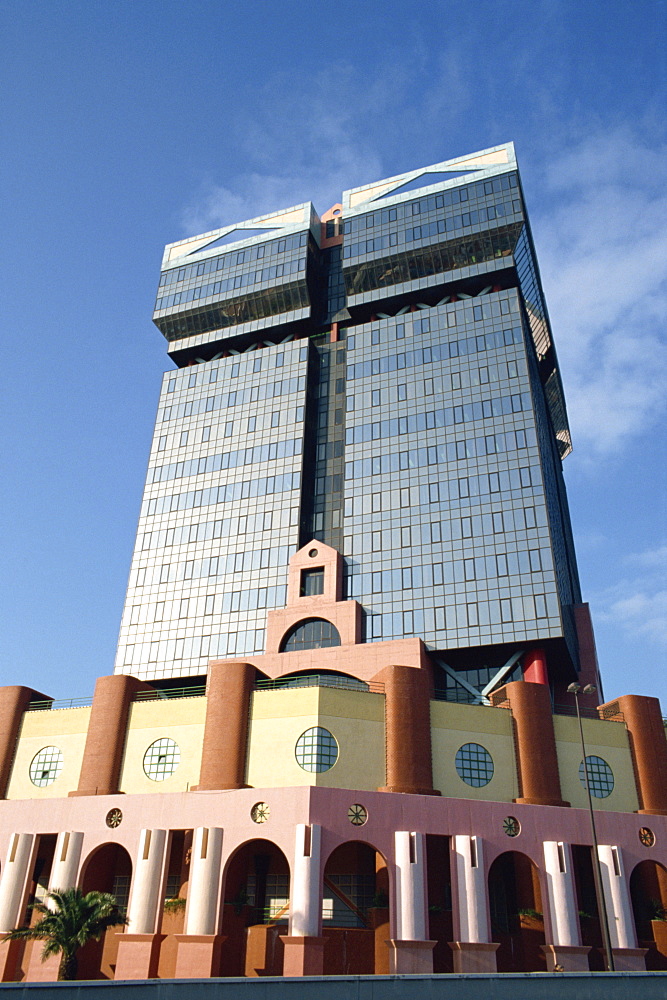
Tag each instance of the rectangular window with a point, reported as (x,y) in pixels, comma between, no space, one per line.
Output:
(162,443)
(402,392)
(312,582)
(184,607)
(206,433)
(275,418)
(192,381)
(184,439)
(209,603)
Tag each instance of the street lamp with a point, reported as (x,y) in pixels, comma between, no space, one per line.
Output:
(597,872)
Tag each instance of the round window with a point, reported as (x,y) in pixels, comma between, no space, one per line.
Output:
(161,759)
(316,749)
(600,776)
(474,765)
(46,766)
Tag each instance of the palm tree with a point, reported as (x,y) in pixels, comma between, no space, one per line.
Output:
(69,920)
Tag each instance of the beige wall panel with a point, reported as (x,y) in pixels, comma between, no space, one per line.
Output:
(63,728)
(180,719)
(608,740)
(452,725)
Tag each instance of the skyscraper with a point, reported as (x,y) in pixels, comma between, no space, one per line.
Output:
(385,381)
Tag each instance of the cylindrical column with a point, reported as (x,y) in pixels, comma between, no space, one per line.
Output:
(411,920)
(616,898)
(105,740)
(648,745)
(407,729)
(228,693)
(13,880)
(473,911)
(13,703)
(306,891)
(562,900)
(147,882)
(204,883)
(66,860)
(536,743)
(535,667)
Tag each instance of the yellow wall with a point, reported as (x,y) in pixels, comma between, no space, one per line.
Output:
(279,717)
(608,740)
(64,728)
(182,720)
(452,725)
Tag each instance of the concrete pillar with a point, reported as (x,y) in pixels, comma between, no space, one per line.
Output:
(198,953)
(13,886)
(407,729)
(565,948)
(228,692)
(627,956)
(537,760)
(13,703)
(105,739)
(139,947)
(535,667)
(410,951)
(648,745)
(474,951)
(64,871)
(304,946)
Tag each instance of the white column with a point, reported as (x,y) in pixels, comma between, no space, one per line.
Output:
(305,890)
(616,898)
(562,900)
(204,883)
(147,882)
(471,890)
(13,881)
(66,858)
(410,886)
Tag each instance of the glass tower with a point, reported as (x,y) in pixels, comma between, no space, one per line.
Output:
(382,379)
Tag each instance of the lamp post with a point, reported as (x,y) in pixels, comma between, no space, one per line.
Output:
(597,873)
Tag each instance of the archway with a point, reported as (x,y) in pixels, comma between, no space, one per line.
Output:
(107,869)
(440,924)
(355,911)
(648,891)
(517,923)
(255,910)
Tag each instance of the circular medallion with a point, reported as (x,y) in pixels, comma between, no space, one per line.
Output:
(260,812)
(357,814)
(312,553)
(114,818)
(511,826)
(646,836)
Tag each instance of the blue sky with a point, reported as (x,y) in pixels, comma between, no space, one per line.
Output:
(128,125)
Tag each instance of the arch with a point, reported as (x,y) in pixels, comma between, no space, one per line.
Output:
(108,868)
(355,910)
(515,904)
(310,633)
(255,909)
(326,678)
(648,893)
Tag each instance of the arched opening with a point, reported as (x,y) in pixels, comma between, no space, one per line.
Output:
(310,633)
(307,678)
(107,869)
(440,926)
(648,891)
(355,911)
(171,918)
(517,923)
(38,888)
(255,910)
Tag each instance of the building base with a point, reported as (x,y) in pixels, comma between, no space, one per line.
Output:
(138,955)
(474,956)
(198,955)
(570,957)
(630,959)
(10,952)
(304,956)
(410,957)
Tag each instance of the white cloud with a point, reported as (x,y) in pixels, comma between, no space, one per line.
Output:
(603,257)
(638,604)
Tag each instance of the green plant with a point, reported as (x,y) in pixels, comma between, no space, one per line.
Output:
(69,919)
(174,905)
(435,908)
(584,916)
(528,912)
(239,900)
(657,910)
(380,900)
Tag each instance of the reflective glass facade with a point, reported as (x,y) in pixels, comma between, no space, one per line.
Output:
(385,382)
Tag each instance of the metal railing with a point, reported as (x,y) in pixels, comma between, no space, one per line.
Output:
(319,680)
(160,694)
(50,703)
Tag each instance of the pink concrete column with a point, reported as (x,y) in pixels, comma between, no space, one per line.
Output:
(304,947)
(13,703)
(199,947)
(13,892)
(410,951)
(139,947)
(66,858)
(473,951)
(627,956)
(535,667)
(565,948)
